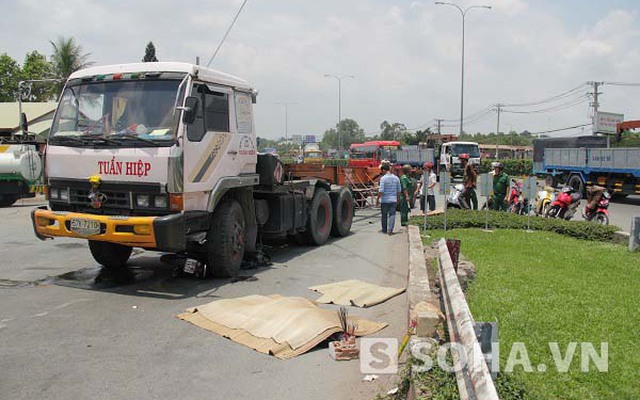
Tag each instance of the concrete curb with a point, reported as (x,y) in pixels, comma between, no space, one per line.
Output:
(418,288)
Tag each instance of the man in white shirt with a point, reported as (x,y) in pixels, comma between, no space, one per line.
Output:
(388,194)
(431,183)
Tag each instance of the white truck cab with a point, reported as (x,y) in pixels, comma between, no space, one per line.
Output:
(163,156)
(449,156)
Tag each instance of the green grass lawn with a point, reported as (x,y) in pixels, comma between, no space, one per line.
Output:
(543,287)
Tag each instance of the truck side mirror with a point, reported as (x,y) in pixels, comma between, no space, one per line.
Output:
(190,110)
(24,124)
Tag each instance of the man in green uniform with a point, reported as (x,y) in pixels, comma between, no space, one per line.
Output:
(405,198)
(500,188)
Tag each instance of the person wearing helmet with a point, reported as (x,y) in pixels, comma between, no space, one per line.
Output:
(431,180)
(405,197)
(500,197)
(470,179)
(594,195)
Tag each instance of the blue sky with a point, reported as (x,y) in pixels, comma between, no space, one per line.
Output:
(405,54)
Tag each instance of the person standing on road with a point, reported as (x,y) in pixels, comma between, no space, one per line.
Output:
(470,180)
(388,195)
(407,191)
(500,188)
(431,183)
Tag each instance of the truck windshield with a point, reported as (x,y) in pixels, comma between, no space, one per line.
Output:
(471,149)
(108,111)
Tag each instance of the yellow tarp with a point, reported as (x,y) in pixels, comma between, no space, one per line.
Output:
(282,326)
(355,293)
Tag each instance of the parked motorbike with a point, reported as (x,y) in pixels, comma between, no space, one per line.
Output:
(543,200)
(455,198)
(565,205)
(518,204)
(601,213)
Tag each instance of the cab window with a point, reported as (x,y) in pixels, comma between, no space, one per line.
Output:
(212,113)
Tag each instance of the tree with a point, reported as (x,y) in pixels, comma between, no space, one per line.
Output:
(347,130)
(9,78)
(150,53)
(67,58)
(392,131)
(36,66)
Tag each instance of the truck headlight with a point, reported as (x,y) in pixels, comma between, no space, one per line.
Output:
(160,202)
(54,193)
(142,200)
(64,194)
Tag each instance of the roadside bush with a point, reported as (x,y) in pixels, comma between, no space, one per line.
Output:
(514,167)
(336,161)
(503,220)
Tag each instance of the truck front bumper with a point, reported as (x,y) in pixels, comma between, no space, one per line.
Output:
(164,233)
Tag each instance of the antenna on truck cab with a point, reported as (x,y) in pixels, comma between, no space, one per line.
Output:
(227,33)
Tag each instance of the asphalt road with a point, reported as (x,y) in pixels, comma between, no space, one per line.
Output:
(70,330)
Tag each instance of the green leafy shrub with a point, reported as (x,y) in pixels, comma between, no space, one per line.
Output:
(503,220)
(511,167)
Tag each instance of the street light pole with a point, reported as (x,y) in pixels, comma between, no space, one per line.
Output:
(286,105)
(463,12)
(339,78)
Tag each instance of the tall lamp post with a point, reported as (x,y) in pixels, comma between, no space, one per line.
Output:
(339,78)
(286,105)
(463,12)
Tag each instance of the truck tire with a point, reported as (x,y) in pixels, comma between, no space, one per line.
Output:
(110,255)
(576,183)
(7,200)
(342,204)
(225,240)
(320,218)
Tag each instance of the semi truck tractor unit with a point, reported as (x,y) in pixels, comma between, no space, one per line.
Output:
(163,156)
(20,169)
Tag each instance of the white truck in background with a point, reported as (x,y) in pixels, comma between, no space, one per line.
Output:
(450,153)
(163,156)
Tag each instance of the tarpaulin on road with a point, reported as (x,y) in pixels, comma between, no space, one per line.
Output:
(282,326)
(355,293)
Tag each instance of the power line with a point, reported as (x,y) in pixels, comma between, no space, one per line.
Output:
(560,129)
(560,96)
(558,107)
(227,33)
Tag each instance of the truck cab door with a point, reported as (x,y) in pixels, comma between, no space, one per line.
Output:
(213,149)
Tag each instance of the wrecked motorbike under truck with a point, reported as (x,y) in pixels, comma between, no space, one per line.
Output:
(162,156)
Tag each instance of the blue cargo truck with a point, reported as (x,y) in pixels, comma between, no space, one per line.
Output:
(584,161)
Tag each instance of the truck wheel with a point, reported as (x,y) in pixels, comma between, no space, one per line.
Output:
(110,255)
(576,183)
(319,221)
(342,205)
(7,200)
(225,240)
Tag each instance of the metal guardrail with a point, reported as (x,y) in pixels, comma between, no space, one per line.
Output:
(472,374)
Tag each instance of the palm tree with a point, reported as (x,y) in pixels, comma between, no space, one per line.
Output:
(67,57)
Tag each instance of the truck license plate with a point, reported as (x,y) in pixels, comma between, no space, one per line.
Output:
(84,227)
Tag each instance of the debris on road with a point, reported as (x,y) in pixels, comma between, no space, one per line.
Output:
(355,293)
(281,326)
(346,348)
(369,378)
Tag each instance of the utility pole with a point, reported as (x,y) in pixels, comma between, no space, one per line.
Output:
(498,109)
(439,124)
(595,105)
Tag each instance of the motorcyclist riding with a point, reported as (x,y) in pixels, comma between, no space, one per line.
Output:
(594,195)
